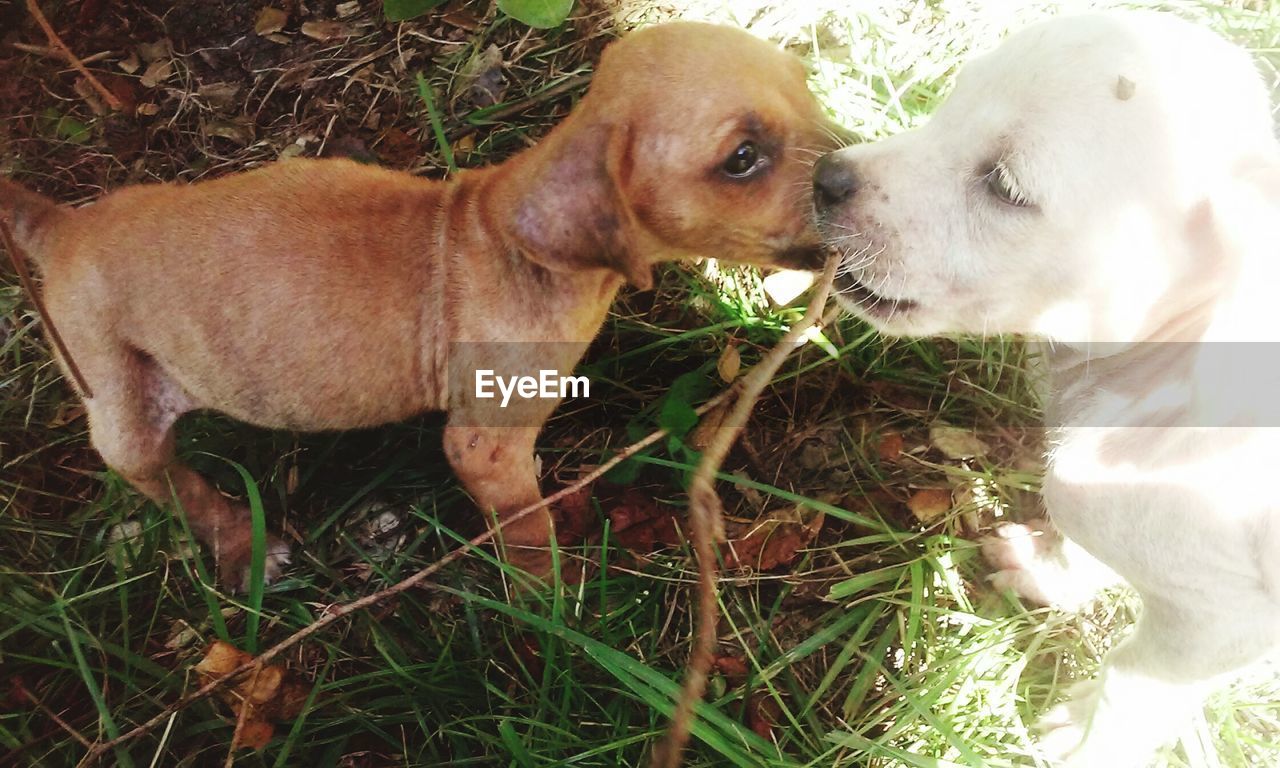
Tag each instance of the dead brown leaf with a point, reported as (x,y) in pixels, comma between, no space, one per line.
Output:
(157,72)
(160,49)
(929,504)
(889,446)
(483,81)
(218,95)
(239,131)
(324,31)
(729,364)
(273,695)
(642,525)
(956,442)
(732,667)
(772,541)
(130,64)
(269,21)
(397,148)
(762,713)
(708,426)
(457,15)
(575,519)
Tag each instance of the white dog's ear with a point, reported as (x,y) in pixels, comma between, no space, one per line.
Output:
(573,213)
(1232,236)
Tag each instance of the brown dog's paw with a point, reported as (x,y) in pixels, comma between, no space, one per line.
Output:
(234,565)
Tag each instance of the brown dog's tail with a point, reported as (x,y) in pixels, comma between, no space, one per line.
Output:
(29,215)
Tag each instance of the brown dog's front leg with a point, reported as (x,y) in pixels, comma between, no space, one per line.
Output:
(496,466)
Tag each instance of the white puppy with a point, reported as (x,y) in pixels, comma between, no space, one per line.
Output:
(1111,184)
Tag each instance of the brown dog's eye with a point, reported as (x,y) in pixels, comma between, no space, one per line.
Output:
(743,161)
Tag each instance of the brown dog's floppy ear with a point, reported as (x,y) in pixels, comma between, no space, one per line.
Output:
(572,213)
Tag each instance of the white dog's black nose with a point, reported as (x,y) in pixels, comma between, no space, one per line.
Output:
(834,181)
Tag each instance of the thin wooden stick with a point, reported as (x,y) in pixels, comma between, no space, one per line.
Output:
(24,276)
(340,611)
(707,523)
(34,8)
(40,705)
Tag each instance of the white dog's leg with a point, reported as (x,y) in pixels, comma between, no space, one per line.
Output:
(1041,566)
(1152,683)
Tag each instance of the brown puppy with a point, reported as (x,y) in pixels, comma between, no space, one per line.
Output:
(323,295)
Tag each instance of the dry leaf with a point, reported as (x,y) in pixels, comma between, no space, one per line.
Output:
(729,364)
(130,64)
(238,131)
(889,446)
(708,426)
(255,734)
(773,540)
(270,20)
(150,52)
(295,76)
(272,695)
(325,31)
(733,667)
(955,442)
(348,9)
(575,518)
(461,18)
(68,411)
(157,72)
(762,713)
(148,109)
(642,525)
(929,504)
(398,148)
(482,79)
(218,95)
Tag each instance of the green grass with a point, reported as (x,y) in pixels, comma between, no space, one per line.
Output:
(881,645)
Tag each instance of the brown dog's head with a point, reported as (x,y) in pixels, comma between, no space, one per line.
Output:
(694,140)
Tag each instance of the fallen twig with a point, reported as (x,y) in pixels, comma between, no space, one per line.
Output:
(337,612)
(55,53)
(707,522)
(22,692)
(56,42)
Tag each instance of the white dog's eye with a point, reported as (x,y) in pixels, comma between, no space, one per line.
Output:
(1005,187)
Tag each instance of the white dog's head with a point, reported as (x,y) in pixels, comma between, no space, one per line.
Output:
(1069,186)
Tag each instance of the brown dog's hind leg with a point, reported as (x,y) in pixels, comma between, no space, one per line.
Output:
(131,424)
(496,466)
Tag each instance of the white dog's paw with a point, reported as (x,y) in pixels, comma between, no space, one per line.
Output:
(1061,731)
(1028,561)
(1119,724)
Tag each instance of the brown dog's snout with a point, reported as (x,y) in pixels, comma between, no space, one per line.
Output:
(835,180)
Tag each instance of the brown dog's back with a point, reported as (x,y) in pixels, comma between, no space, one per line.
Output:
(281,268)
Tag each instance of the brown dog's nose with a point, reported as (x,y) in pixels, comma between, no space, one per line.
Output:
(834,181)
